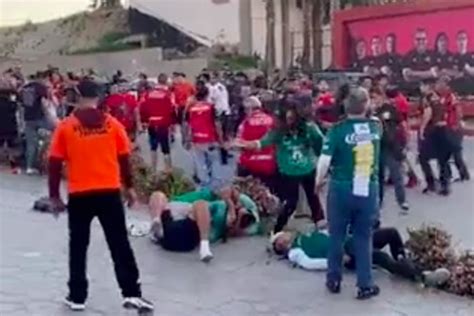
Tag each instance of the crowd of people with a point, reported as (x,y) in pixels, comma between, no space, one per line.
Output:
(289,133)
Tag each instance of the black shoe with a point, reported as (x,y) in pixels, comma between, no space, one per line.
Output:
(74,306)
(333,287)
(444,191)
(428,189)
(138,303)
(364,293)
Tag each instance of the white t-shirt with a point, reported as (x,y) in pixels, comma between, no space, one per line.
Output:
(220,98)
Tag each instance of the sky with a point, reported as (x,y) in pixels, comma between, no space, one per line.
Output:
(14,12)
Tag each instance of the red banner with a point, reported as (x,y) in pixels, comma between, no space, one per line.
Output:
(410,47)
(404,27)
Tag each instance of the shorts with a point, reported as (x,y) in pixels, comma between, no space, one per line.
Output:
(159,136)
(178,235)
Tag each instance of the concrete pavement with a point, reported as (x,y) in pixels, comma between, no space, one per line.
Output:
(241,281)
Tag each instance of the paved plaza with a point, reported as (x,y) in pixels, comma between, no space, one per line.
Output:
(241,281)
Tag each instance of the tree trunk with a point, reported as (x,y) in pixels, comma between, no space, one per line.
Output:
(270,36)
(285,35)
(335,5)
(317,34)
(305,63)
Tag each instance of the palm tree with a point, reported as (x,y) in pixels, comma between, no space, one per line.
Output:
(316,16)
(305,56)
(285,35)
(270,35)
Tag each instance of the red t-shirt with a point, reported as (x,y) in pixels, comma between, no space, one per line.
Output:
(402,105)
(253,128)
(201,119)
(122,106)
(449,101)
(182,92)
(324,108)
(156,108)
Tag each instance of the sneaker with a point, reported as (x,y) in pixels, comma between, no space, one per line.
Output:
(31,171)
(364,293)
(405,208)
(429,189)
(74,306)
(205,257)
(444,192)
(436,278)
(333,287)
(137,303)
(205,252)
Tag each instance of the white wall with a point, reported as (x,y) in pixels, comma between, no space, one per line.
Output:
(213,19)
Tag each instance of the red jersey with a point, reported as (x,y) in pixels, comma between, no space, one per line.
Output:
(253,128)
(122,106)
(156,109)
(182,92)
(201,119)
(324,107)
(449,102)
(402,105)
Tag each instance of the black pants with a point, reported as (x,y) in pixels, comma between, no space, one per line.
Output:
(395,262)
(108,207)
(288,193)
(439,144)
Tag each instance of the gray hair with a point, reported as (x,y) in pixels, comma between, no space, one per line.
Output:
(357,101)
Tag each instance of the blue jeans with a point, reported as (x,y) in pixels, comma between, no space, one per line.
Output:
(344,210)
(206,159)
(32,139)
(394,166)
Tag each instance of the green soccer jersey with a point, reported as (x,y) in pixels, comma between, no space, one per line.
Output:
(315,245)
(296,153)
(354,145)
(194,196)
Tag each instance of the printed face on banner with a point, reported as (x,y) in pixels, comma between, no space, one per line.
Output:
(402,46)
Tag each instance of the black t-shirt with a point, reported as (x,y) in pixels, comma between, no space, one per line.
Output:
(460,61)
(31,97)
(391,119)
(359,65)
(418,61)
(444,61)
(8,108)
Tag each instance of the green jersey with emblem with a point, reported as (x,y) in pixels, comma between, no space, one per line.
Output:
(296,153)
(354,145)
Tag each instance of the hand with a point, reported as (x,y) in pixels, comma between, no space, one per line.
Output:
(58,206)
(131,197)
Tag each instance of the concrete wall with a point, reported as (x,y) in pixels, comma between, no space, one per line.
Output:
(130,62)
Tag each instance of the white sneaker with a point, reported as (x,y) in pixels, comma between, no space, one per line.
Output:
(137,303)
(31,171)
(74,306)
(205,255)
(436,278)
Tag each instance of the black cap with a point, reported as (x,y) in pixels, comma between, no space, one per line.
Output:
(88,89)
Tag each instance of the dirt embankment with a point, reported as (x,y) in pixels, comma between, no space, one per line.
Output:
(77,32)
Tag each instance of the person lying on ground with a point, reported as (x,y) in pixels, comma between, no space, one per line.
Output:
(309,252)
(201,217)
